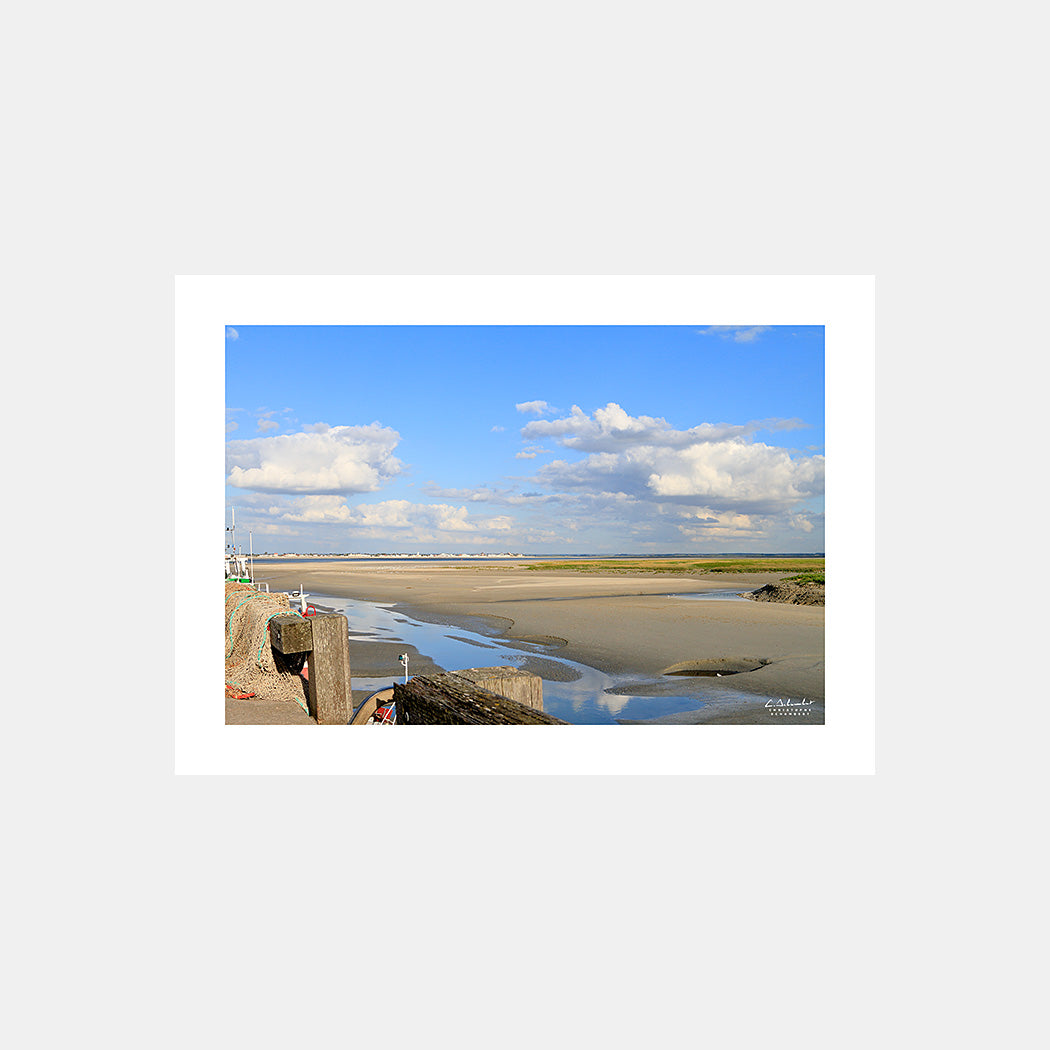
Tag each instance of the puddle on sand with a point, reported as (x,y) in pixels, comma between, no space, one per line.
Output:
(714,596)
(574,692)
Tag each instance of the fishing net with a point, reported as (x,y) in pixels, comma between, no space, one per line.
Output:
(253,670)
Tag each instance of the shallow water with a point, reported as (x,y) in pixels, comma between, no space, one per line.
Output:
(572,691)
(714,596)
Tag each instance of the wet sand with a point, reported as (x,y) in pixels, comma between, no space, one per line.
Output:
(617,624)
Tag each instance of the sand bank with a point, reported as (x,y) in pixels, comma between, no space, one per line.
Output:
(617,624)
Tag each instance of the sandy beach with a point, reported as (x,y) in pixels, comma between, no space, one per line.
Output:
(619,624)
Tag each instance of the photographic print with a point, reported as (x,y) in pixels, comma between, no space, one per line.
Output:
(593,525)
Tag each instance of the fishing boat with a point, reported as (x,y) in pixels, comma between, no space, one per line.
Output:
(384,713)
(239,566)
(377,710)
(300,596)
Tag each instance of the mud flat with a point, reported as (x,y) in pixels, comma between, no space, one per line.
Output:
(619,624)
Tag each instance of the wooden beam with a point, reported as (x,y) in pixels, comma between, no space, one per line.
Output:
(450,699)
(290,633)
(328,687)
(511,682)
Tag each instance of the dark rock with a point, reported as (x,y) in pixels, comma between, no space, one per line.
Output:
(791,593)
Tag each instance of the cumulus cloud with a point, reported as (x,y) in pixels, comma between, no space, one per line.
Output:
(640,482)
(391,515)
(275,529)
(268,424)
(712,464)
(230,426)
(535,408)
(531,452)
(612,429)
(322,459)
(232,334)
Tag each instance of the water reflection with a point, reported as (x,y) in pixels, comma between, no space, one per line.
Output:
(715,596)
(572,691)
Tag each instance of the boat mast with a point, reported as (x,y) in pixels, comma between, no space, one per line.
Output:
(231,544)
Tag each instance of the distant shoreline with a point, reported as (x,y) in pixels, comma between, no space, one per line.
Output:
(530,557)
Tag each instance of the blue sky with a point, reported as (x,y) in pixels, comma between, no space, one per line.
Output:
(536,440)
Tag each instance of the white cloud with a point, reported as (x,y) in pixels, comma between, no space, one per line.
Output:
(711,464)
(391,515)
(497,430)
(321,459)
(268,424)
(536,408)
(577,419)
(703,524)
(612,429)
(231,426)
(274,529)
(531,452)
(639,483)
(735,472)
(737,332)
(232,334)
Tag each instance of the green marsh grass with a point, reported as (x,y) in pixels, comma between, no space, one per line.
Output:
(807,570)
